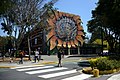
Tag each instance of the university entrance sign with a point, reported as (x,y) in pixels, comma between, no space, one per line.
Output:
(65,31)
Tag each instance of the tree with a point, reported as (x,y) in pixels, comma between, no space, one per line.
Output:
(106,18)
(5,5)
(24,15)
(5,45)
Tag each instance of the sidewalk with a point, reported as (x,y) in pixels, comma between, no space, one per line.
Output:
(52,59)
(46,60)
(115,77)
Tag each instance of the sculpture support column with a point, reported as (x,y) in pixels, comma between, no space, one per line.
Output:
(68,51)
(78,49)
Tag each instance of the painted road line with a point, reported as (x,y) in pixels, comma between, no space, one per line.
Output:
(26,66)
(34,68)
(46,70)
(57,74)
(78,77)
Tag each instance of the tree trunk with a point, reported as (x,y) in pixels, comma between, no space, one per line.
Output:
(102,40)
(29,48)
(111,47)
(119,45)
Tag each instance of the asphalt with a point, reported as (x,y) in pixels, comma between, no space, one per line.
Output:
(45,60)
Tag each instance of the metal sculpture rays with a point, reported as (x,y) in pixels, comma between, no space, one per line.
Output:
(65,31)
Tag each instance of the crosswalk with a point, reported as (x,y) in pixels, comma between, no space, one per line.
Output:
(52,72)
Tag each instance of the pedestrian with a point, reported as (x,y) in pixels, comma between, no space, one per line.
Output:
(40,52)
(21,55)
(36,55)
(60,55)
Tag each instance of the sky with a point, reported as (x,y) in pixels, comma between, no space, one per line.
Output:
(82,8)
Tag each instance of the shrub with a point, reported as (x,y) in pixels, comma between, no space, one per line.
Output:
(103,63)
(93,63)
(107,71)
(116,64)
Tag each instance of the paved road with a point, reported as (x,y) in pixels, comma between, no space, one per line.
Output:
(42,72)
(47,72)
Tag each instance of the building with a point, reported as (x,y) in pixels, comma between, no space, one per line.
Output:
(59,29)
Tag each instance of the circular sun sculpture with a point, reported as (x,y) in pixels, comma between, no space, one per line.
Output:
(65,30)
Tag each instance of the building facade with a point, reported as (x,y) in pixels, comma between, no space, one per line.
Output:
(63,30)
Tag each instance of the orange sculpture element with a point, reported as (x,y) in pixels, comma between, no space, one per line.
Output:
(78,21)
(60,14)
(50,34)
(66,30)
(67,15)
(79,28)
(76,18)
(80,33)
(60,42)
(53,42)
(56,15)
(76,42)
(54,19)
(72,43)
(79,38)
(50,22)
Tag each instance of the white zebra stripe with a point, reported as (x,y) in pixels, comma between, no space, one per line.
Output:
(60,71)
(34,68)
(46,70)
(26,66)
(57,74)
(78,77)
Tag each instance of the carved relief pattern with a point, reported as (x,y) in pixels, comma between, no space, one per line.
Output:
(66,30)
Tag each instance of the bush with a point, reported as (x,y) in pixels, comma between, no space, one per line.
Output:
(93,63)
(107,71)
(116,64)
(103,63)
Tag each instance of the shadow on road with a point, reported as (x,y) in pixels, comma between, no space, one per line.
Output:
(84,63)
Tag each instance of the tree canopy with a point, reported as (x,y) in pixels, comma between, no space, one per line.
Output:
(105,18)
(19,16)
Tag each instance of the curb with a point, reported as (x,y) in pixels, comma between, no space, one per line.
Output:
(46,62)
(51,62)
(7,66)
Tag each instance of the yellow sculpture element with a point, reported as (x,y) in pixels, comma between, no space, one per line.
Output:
(60,42)
(64,44)
(69,45)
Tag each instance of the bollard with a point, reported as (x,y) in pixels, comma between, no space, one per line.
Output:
(96,73)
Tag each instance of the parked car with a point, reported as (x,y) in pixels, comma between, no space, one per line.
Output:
(104,53)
